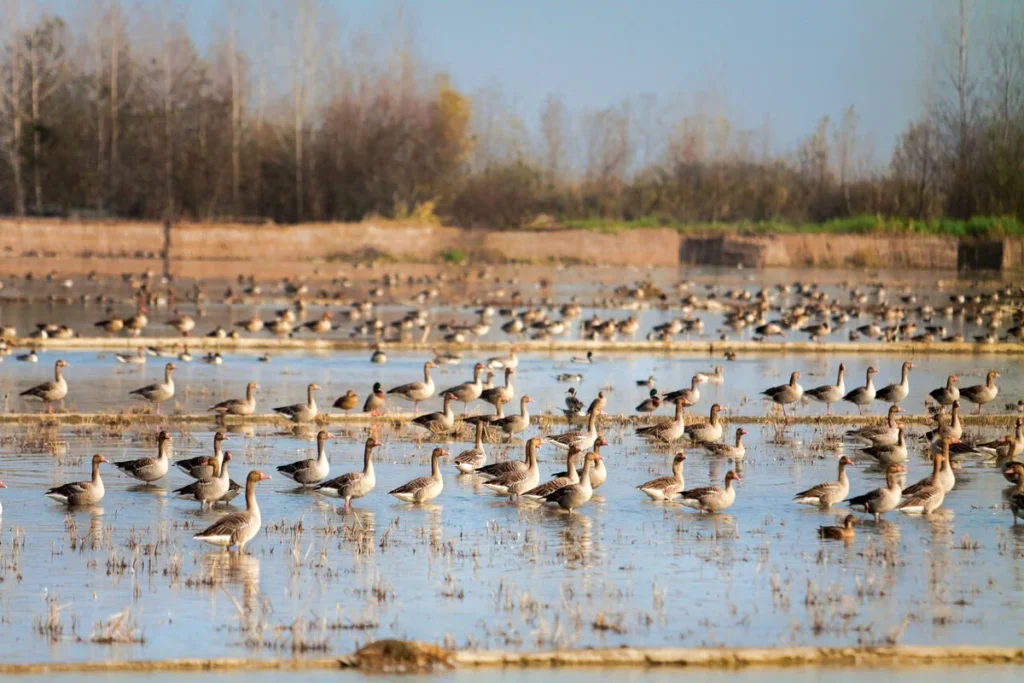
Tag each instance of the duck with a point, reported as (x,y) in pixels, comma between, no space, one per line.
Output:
(321,325)
(467,392)
(980,394)
(237,528)
(302,412)
(376,401)
(839,533)
(505,362)
(649,382)
(879,435)
(785,394)
(514,424)
(667,431)
(666,488)
(706,432)
(378,356)
(830,393)
(896,452)
(896,393)
(417,391)
(515,482)
(498,469)
(30,357)
(573,405)
(584,440)
(598,475)
(352,485)
(649,404)
(589,358)
(50,392)
(946,477)
(570,476)
(347,402)
(735,451)
(148,470)
(112,325)
(690,396)
(209,490)
(214,358)
(252,325)
(265,358)
(883,500)
(829,493)
(438,423)
(712,498)
(185,356)
(469,460)
(160,391)
(929,494)
(569,377)
(446,357)
(716,377)
(238,406)
(945,396)
(1014,472)
(503,394)
(598,404)
(137,358)
(203,466)
(423,489)
(81,492)
(137,322)
(311,470)
(863,396)
(574,496)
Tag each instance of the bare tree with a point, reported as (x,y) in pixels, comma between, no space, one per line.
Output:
(553,125)
(45,46)
(12,105)
(844,142)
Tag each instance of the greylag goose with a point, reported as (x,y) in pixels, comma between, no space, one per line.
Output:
(237,528)
(895,393)
(946,477)
(927,495)
(785,394)
(573,405)
(666,432)
(830,393)
(438,423)
(518,481)
(499,468)
(576,495)
(649,382)
(509,361)
(423,489)
(955,427)
(883,500)
(81,492)
(896,452)
(159,392)
(1014,472)
(50,392)
(417,391)
(690,396)
(1006,447)
(650,404)
(706,432)
(831,492)
(945,396)
(347,402)
(148,470)
(583,440)
(501,394)
(311,470)
(209,490)
(839,533)
(238,406)
(469,460)
(301,412)
(321,325)
(137,322)
(514,424)
(376,401)
(666,488)
(353,485)
(571,476)
(716,377)
(879,435)
(735,451)
(712,498)
(137,358)
(112,325)
(467,392)
(980,394)
(863,396)
(598,475)
(203,466)
(184,324)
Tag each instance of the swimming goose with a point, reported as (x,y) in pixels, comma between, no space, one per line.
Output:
(829,393)
(438,423)
(584,440)
(665,488)
(896,452)
(573,405)
(81,492)
(980,394)
(446,357)
(839,533)
(517,481)
(423,489)
(895,393)
(137,358)
(203,466)
(927,495)
(883,500)
(945,396)
(499,468)
(238,406)
(706,432)
(784,394)
(831,492)
(148,470)
(716,377)
(666,431)
(312,470)
(376,401)
(417,391)
(514,424)
(1014,472)
(209,490)
(509,361)
(690,396)
(879,435)
(469,460)
(353,485)
(599,474)
(501,394)
(650,404)
(347,402)
(301,412)
(576,495)
(863,396)
(735,451)
(711,498)
(570,476)
(467,392)
(237,528)
(50,392)
(159,392)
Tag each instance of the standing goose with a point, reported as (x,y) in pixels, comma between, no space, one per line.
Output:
(353,485)
(706,432)
(945,396)
(469,460)
(438,423)
(896,452)
(584,440)
(423,489)
(238,406)
(863,396)
(955,427)
(501,394)
(881,501)
(301,412)
(785,394)
(514,424)
(735,451)
(81,492)
(831,492)
(689,396)
(517,481)
(312,470)
(666,488)
(599,474)
(929,494)
(467,392)
(579,494)
(1006,447)
(571,476)
(1015,471)
(895,393)
(712,498)
(148,470)
(376,401)
(50,392)
(980,394)
(830,393)
(839,533)
(879,435)
(666,431)
(204,467)
(946,477)
(417,391)
(209,490)
(159,392)
(499,468)
(237,528)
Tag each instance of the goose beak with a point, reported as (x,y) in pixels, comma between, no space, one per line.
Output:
(264,477)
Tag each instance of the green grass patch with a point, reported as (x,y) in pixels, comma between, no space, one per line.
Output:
(454,255)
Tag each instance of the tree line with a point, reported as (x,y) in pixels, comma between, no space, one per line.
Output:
(118,113)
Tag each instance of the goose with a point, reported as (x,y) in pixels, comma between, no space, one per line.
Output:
(184,324)
(438,423)
(690,396)
(883,500)
(301,412)
(321,324)
(666,488)
(347,402)
(417,391)
(666,431)
(598,404)
(712,498)
(573,405)
(137,322)
(598,475)
(980,394)
(137,358)
(514,424)
(831,492)
(945,396)
(576,495)
(499,468)
(1006,447)
(863,396)
(376,401)
(203,467)
(159,392)
(423,489)
(829,393)
(650,404)
(238,406)
(896,452)
(209,490)
(252,325)
(955,427)
(237,528)
(467,392)
(505,362)
(2,486)
(312,470)
(735,451)
(571,476)
(148,470)
(446,357)
(352,485)
(716,377)
(649,382)
(1014,472)
(469,460)
(81,492)
(584,440)
(113,325)
(879,435)
(839,533)
(929,494)
(50,392)
(706,432)
(501,394)
(784,394)
(946,477)
(895,393)
(517,481)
